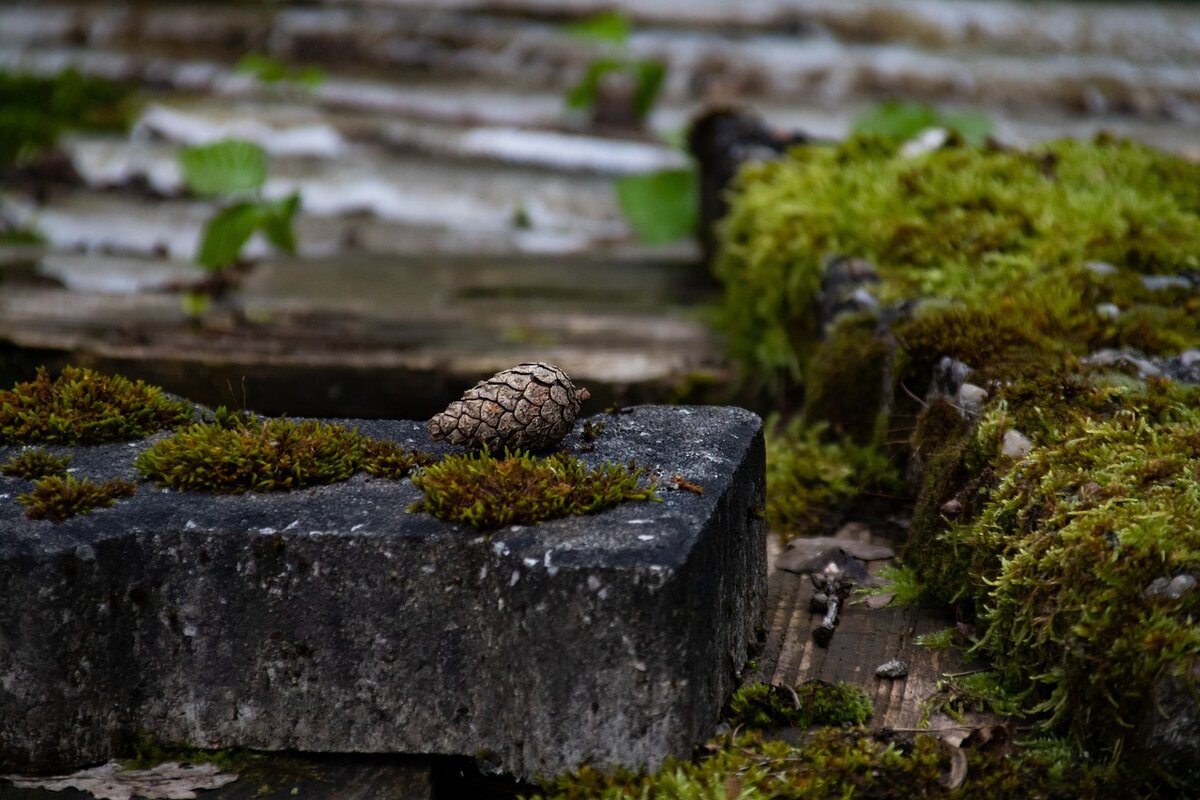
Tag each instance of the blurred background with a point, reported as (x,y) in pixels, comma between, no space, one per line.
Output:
(356,208)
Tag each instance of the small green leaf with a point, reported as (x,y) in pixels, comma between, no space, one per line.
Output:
(583,94)
(277,220)
(661,206)
(195,304)
(650,76)
(896,120)
(269,70)
(974,126)
(902,120)
(224,167)
(227,233)
(608,26)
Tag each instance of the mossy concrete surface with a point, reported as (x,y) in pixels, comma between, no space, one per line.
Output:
(329,619)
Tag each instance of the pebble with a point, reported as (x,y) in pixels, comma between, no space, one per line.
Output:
(1016,444)
(892,669)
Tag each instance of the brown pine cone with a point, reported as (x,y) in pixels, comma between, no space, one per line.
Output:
(531,406)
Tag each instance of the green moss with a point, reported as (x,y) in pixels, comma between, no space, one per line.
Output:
(384,459)
(1003,233)
(850,763)
(941,639)
(35,110)
(237,453)
(971,692)
(488,492)
(809,476)
(33,463)
(814,702)
(85,407)
(59,497)
(846,380)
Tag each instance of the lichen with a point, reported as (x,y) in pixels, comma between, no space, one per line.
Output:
(489,491)
(32,463)
(86,407)
(236,452)
(814,702)
(59,497)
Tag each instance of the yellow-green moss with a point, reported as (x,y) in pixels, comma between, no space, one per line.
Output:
(59,497)
(237,452)
(489,491)
(810,475)
(85,407)
(1005,230)
(33,463)
(814,702)
(851,763)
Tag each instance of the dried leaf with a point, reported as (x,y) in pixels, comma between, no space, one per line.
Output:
(111,781)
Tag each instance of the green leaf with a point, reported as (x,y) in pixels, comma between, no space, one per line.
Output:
(269,70)
(224,167)
(277,219)
(227,233)
(650,76)
(896,120)
(902,120)
(195,304)
(661,206)
(974,126)
(609,26)
(583,94)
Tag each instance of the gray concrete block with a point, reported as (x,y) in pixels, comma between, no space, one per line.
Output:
(330,620)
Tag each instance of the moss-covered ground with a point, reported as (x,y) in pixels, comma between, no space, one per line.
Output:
(1075,563)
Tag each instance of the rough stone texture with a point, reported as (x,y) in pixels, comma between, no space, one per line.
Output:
(532,405)
(329,619)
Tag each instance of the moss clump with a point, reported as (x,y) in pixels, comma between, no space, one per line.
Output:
(1063,561)
(809,477)
(59,497)
(33,463)
(845,380)
(35,110)
(489,492)
(815,702)
(85,407)
(849,763)
(237,453)
(984,228)
(384,459)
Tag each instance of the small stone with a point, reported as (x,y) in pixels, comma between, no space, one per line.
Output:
(1179,586)
(926,141)
(952,508)
(533,405)
(1100,268)
(1016,444)
(970,399)
(1108,310)
(881,600)
(892,669)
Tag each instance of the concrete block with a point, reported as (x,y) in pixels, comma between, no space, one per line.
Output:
(332,620)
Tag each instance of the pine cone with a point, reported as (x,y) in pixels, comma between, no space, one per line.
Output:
(533,406)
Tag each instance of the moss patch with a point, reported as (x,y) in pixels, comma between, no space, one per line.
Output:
(488,491)
(86,407)
(33,463)
(59,497)
(847,763)
(1005,230)
(810,474)
(815,702)
(237,452)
